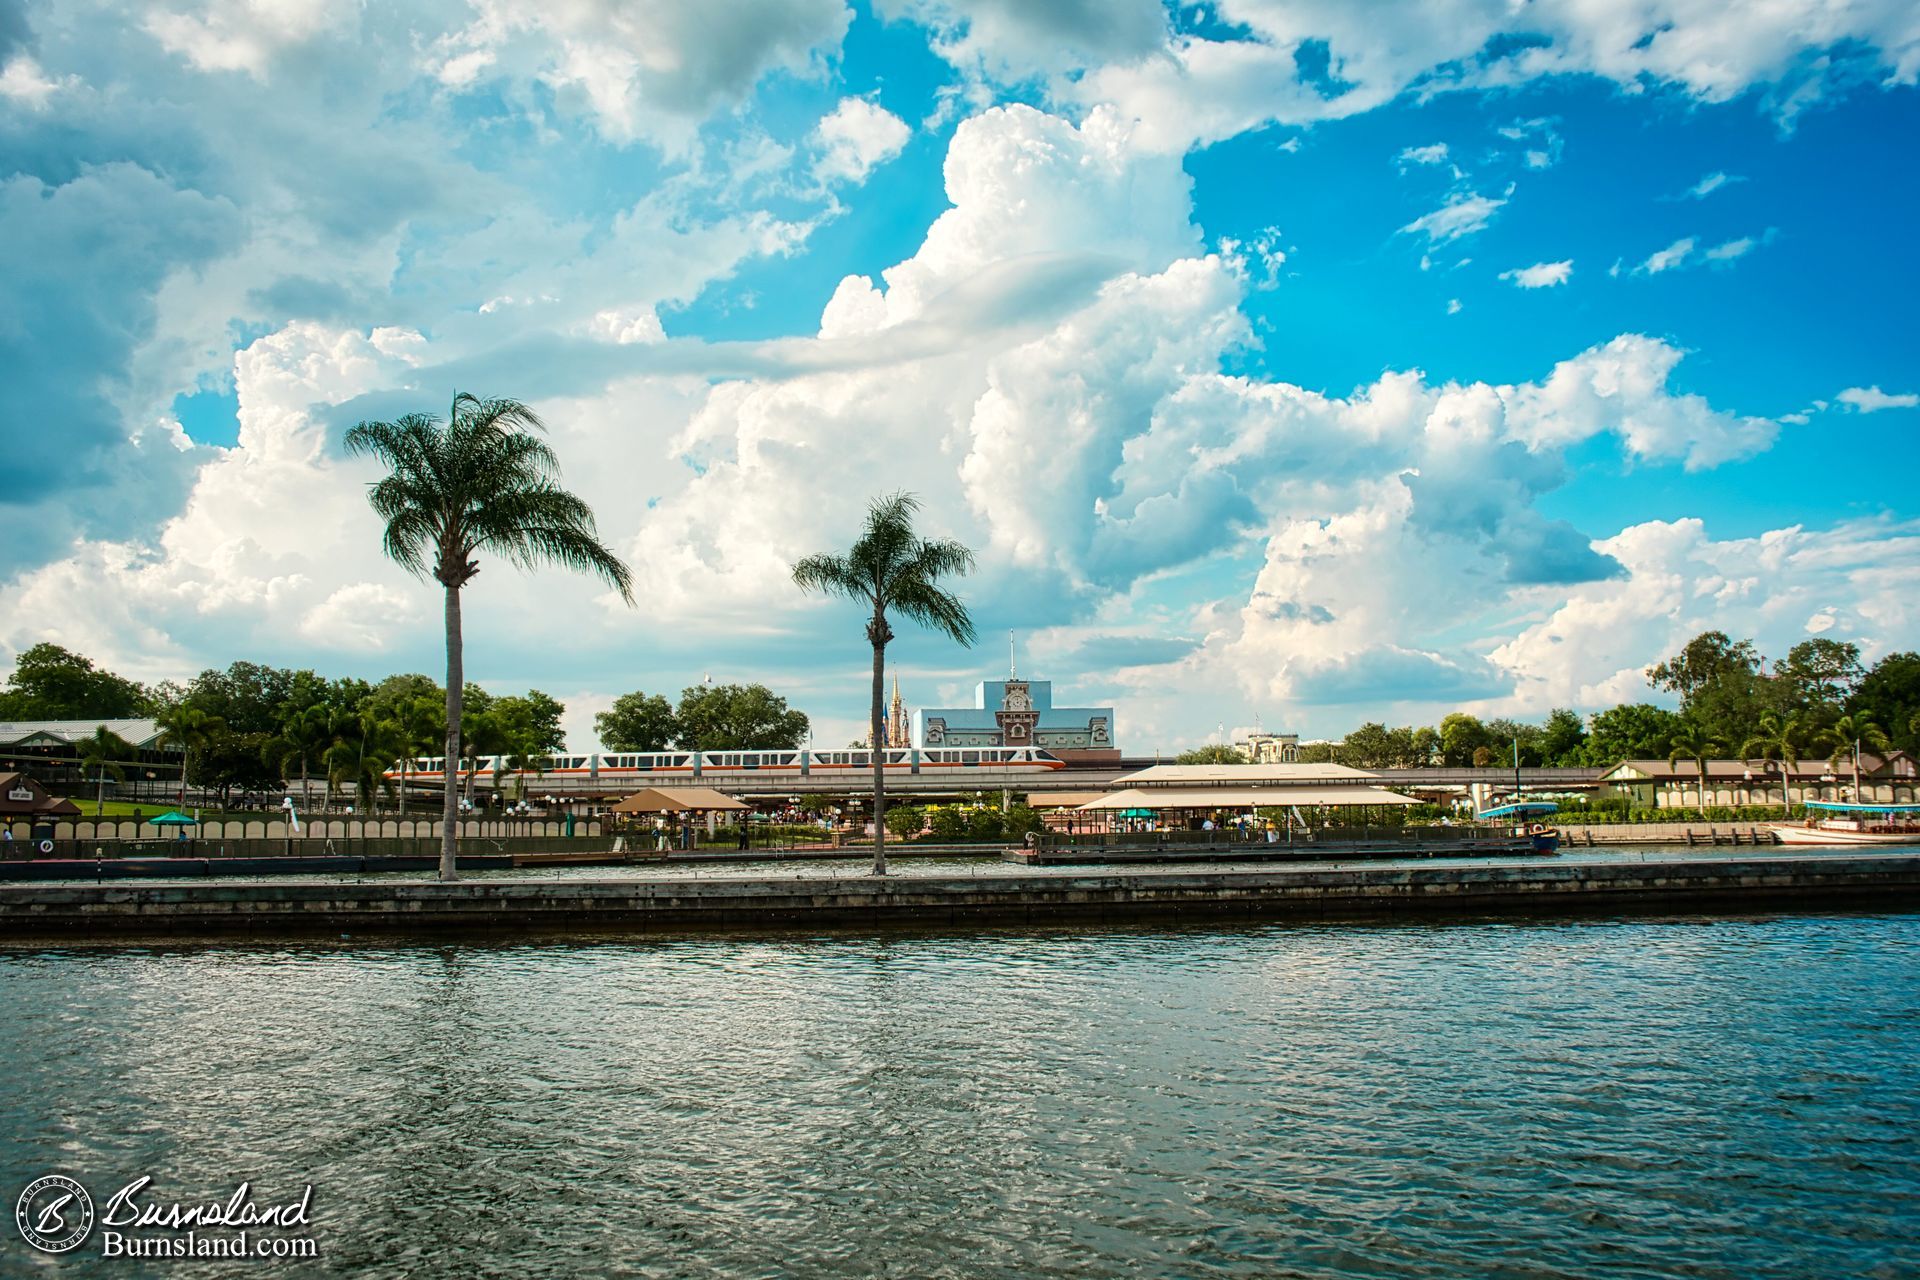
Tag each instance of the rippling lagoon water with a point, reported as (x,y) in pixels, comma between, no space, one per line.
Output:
(1682,1097)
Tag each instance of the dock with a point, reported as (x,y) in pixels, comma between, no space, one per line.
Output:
(522,907)
(1098,850)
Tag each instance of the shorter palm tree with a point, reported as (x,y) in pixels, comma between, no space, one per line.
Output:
(101,754)
(1695,744)
(892,568)
(1778,741)
(362,756)
(304,738)
(192,729)
(417,725)
(1846,736)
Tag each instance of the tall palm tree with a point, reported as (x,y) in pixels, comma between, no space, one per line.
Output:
(1846,736)
(481,481)
(101,754)
(1693,743)
(892,568)
(190,728)
(1778,740)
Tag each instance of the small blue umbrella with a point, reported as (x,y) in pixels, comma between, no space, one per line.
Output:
(174,818)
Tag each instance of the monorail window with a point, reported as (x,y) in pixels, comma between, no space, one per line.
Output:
(969,757)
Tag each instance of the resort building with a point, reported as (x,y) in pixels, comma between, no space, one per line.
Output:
(50,751)
(22,797)
(1270,748)
(1020,713)
(1662,784)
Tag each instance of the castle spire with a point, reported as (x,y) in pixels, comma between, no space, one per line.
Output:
(1013,668)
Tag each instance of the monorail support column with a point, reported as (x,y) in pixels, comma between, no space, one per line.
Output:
(1006,799)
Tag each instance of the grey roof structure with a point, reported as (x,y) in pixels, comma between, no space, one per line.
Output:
(139,733)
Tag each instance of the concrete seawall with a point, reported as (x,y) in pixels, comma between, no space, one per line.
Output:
(204,909)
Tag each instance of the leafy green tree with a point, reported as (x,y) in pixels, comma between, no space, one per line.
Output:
(1318,752)
(1506,733)
(985,824)
(736,717)
(481,482)
(638,722)
(348,694)
(1213,753)
(947,822)
(1020,820)
(1461,735)
(1719,683)
(891,569)
(532,721)
(1694,743)
(1426,746)
(53,683)
(1374,746)
(1819,675)
(248,697)
(1563,738)
(192,729)
(1889,694)
(905,821)
(231,760)
(1708,657)
(397,691)
(103,755)
(1632,731)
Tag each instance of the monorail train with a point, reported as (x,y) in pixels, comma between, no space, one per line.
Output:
(625,769)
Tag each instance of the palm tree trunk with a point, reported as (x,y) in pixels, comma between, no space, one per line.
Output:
(879,759)
(456,689)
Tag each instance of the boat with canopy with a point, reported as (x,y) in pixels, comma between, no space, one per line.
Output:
(1523,816)
(1850,822)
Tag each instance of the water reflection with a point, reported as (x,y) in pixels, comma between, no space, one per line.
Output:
(1711,1098)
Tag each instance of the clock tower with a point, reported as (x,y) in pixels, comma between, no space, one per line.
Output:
(1016,716)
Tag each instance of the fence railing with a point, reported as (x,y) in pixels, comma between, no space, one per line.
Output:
(120,830)
(1232,836)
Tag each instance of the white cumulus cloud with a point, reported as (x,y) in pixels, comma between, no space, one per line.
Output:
(1541,275)
(855,138)
(1464,213)
(1873,399)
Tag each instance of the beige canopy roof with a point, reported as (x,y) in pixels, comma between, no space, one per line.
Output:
(1252,775)
(1245,797)
(1062,799)
(678,800)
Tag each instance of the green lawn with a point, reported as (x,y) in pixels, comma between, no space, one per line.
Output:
(154,808)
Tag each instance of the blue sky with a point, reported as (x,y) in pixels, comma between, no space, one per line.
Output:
(1279,358)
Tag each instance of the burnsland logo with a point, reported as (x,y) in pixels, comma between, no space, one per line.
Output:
(56,1215)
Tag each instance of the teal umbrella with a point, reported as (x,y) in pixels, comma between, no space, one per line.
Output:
(174,818)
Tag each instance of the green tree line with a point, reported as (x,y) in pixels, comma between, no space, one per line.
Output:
(1814,703)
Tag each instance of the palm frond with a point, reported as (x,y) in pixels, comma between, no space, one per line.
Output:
(831,575)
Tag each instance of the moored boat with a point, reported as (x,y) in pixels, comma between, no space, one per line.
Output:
(1834,822)
(1521,819)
